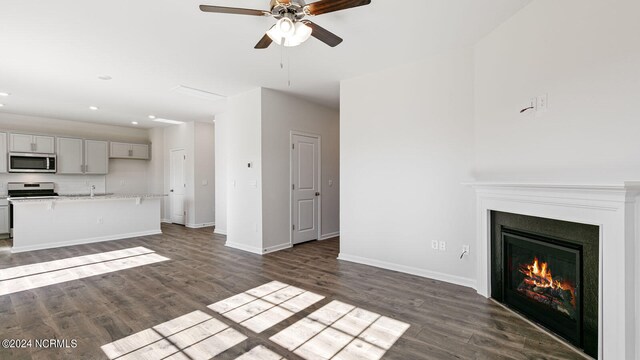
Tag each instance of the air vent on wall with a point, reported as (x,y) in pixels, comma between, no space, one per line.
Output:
(197,93)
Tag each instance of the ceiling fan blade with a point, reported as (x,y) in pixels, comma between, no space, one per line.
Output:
(264,42)
(230,10)
(327,6)
(323,34)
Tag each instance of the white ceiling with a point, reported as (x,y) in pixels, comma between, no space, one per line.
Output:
(51,52)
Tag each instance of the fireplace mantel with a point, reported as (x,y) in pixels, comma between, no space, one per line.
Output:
(612,207)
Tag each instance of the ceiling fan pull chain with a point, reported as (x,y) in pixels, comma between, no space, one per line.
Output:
(289,68)
(282,54)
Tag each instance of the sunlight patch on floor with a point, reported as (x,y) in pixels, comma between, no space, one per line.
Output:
(341,331)
(27,277)
(262,307)
(192,336)
(336,331)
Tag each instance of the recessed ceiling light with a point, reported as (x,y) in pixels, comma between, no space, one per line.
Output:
(4,94)
(94,108)
(168,121)
(134,122)
(152,117)
(105,77)
(1,105)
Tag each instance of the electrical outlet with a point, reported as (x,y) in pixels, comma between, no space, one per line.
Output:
(465,248)
(100,220)
(443,246)
(122,182)
(434,244)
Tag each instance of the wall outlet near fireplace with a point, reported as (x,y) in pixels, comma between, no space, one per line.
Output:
(434,244)
(443,246)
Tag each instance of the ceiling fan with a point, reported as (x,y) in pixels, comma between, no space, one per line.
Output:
(292,29)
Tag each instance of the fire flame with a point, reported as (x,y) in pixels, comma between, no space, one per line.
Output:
(539,275)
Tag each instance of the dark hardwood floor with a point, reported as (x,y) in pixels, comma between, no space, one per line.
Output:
(447,321)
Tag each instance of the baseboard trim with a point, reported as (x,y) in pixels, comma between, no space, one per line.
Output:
(251,249)
(457,280)
(84,241)
(220,231)
(275,248)
(197,226)
(329,235)
(166,221)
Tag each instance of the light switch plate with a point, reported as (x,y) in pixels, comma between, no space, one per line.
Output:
(542,103)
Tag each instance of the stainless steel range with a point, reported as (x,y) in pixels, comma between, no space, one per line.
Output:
(32,190)
(40,190)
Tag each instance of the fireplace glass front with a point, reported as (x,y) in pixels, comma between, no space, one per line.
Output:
(542,279)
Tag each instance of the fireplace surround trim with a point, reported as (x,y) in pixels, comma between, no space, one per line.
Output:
(614,209)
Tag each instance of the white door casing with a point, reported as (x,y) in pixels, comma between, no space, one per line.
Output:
(178,185)
(305,187)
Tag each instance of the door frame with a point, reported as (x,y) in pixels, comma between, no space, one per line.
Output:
(292,133)
(171,151)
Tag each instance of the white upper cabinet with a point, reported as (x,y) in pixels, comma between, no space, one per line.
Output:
(3,152)
(96,155)
(78,156)
(120,150)
(21,143)
(32,143)
(140,151)
(44,144)
(129,151)
(70,156)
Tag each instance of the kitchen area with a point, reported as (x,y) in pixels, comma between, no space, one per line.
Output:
(53,191)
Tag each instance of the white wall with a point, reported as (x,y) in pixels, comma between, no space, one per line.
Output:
(132,172)
(406,140)
(204,173)
(304,116)
(222,178)
(155,169)
(244,195)
(256,129)
(586,55)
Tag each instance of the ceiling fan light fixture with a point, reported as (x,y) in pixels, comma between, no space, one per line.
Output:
(285,25)
(300,34)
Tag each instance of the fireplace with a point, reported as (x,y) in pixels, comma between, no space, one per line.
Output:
(541,279)
(547,270)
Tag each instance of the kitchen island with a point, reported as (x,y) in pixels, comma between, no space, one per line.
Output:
(72,220)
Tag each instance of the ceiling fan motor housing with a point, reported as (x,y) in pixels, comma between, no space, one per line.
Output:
(293,10)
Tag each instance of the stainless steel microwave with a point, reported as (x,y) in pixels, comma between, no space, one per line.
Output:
(32,163)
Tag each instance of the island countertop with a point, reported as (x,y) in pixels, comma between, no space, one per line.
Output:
(75,197)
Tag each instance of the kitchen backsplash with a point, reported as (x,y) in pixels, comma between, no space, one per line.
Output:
(65,184)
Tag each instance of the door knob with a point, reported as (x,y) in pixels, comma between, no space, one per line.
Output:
(171,190)
(317,194)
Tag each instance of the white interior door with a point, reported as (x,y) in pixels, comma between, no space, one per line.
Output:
(305,170)
(178,186)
